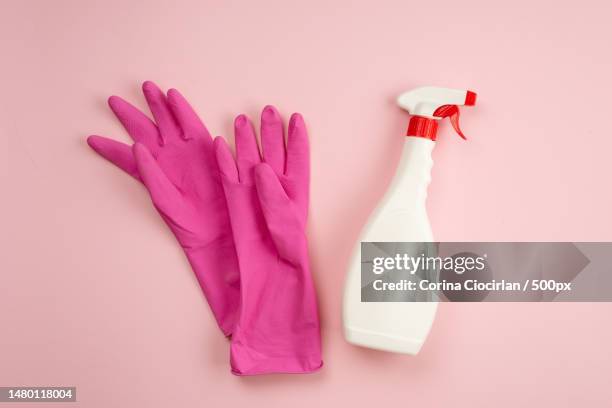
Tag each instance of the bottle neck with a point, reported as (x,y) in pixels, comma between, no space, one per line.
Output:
(420,126)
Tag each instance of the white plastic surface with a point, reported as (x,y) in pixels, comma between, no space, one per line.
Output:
(424,101)
(400,217)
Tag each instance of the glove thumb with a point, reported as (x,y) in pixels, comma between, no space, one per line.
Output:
(280,214)
(164,194)
(115,152)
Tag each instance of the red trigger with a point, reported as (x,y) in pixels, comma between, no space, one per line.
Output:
(452,112)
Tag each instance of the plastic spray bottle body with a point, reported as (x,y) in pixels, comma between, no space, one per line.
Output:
(401,216)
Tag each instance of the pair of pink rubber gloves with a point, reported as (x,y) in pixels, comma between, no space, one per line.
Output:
(240,222)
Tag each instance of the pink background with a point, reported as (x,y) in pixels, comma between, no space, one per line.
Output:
(94,292)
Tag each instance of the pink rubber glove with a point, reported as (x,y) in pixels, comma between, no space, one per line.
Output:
(174,158)
(278,328)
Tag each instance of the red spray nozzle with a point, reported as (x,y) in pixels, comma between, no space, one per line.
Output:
(470,98)
(429,104)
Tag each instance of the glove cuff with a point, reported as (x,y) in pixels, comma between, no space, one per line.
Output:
(220,282)
(246,361)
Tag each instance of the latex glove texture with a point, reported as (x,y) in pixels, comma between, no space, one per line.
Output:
(173,157)
(267,196)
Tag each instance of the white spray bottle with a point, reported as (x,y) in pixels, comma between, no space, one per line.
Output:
(401,216)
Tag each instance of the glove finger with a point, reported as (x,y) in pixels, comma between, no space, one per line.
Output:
(247,151)
(273,139)
(190,123)
(279,213)
(164,194)
(115,152)
(225,161)
(298,150)
(168,128)
(140,128)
